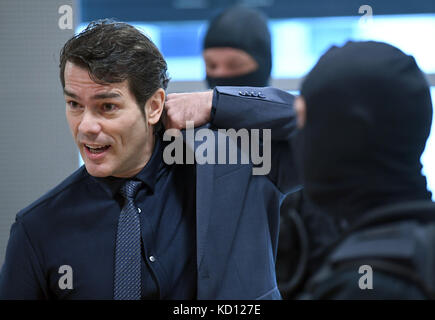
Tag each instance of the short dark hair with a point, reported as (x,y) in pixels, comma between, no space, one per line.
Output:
(114,51)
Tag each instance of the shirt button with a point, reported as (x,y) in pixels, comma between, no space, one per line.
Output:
(152,258)
(139,210)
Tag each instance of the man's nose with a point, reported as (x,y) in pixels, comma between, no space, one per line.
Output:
(89,124)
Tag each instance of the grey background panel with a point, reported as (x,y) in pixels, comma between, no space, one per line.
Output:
(36,148)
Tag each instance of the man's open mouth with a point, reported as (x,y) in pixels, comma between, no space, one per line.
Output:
(97,149)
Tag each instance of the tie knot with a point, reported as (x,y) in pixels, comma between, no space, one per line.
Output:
(130,188)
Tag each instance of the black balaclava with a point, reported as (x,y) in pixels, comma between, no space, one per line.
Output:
(245,29)
(369,114)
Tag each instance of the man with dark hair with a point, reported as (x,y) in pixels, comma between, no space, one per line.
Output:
(137,74)
(127,225)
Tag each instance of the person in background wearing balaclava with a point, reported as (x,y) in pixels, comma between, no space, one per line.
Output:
(237,49)
(237,52)
(365,112)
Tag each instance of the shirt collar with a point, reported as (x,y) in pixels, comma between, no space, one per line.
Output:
(148,174)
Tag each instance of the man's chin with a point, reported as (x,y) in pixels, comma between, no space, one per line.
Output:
(97,171)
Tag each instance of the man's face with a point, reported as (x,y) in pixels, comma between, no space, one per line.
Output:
(111,132)
(228,62)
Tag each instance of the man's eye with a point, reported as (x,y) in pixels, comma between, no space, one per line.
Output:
(73,105)
(109,107)
(211,66)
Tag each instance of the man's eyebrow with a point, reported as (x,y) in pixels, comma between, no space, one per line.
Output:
(104,95)
(70,94)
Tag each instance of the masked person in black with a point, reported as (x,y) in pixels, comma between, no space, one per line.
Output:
(237,52)
(366,114)
(237,49)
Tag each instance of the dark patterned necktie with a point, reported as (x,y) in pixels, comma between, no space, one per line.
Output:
(127,254)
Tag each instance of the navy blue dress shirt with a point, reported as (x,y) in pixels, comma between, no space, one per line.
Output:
(74,225)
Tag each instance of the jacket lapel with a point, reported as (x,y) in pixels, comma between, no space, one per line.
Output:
(204,192)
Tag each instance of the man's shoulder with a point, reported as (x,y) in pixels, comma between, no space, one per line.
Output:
(54,195)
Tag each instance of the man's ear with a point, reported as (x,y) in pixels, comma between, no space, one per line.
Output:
(154,106)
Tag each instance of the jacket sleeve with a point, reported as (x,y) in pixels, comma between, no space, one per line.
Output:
(21,277)
(262,108)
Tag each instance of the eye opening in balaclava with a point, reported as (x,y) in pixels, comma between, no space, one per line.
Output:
(368,116)
(245,29)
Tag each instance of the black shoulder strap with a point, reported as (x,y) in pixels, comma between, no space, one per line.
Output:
(403,249)
(421,211)
(398,240)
